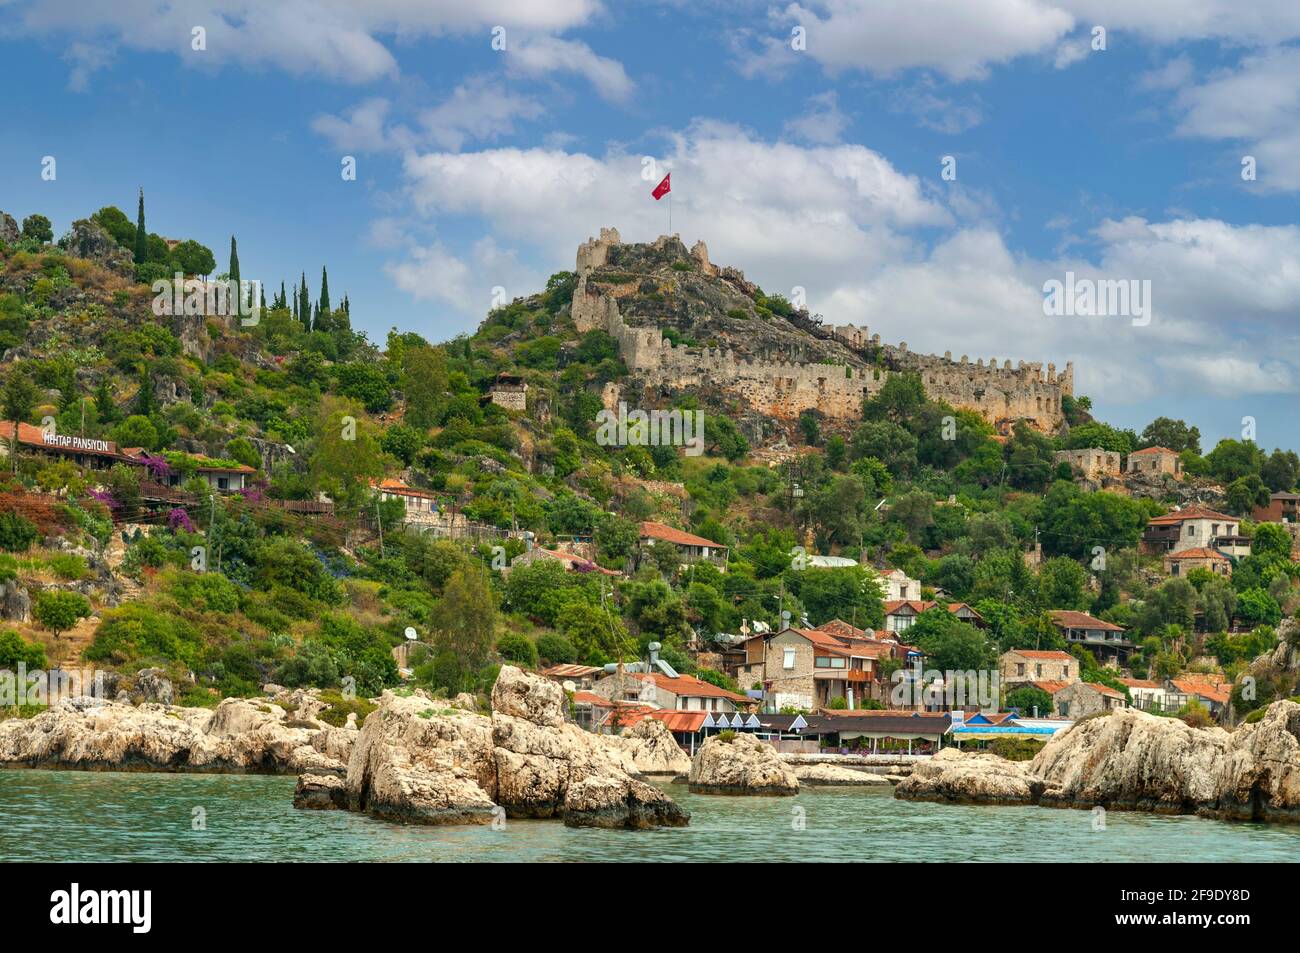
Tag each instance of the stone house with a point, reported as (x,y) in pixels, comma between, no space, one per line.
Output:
(1155,460)
(1185,560)
(1093,463)
(1194,527)
(1080,699)
(421,505)
(896,585)
(657,690)
(509,391)
(811,668)
(1018,666)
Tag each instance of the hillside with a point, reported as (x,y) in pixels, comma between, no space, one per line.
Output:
(373,487)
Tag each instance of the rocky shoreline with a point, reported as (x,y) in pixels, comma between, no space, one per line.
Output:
(1132,761)
(416,759)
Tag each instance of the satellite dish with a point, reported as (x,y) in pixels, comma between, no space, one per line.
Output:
(411,634)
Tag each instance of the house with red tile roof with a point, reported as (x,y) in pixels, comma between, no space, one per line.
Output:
(901,614)
(1211,691)
(812,668)
(87,452)
(659,690)
(1185,560)
(1108,642)
(1194,527)
(1080,699)
(689,546)
(1155,460)
(1017,666)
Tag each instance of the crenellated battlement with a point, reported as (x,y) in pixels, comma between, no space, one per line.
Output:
(1000,392)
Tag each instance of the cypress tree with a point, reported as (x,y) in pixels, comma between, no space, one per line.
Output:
(324,292)
(104,408)
(282,302)
(144,400)
(141,236)
(234,262)
(304,303)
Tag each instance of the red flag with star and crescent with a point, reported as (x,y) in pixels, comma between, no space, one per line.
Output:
(663,188)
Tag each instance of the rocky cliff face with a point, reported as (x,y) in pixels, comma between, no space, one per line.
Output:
(425,764)
(1133,761)
(741,765)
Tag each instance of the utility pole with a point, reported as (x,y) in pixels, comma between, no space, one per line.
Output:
(379,522)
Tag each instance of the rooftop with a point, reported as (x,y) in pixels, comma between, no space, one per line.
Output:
(662,531)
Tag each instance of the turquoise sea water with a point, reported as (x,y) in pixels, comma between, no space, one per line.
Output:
(83,816)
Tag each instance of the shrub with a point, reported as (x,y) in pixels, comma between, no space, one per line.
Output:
(338,708)
(15,650)
(518,648)
(1016,749)
(726,737)
(17,533)
(68,566)
(135,632)
(556,649)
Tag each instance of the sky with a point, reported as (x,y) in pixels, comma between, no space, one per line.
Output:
(921,167)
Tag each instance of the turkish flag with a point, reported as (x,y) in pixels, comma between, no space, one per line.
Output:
(663,188)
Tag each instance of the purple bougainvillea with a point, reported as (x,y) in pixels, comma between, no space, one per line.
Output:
(179,519)
(252,493)
(158,468)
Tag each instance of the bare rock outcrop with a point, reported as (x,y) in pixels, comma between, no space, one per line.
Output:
(320,792)
(649,749)
(968,779)
(239,736)
(1130,760)
(740,765)
(834,775)
(416,762)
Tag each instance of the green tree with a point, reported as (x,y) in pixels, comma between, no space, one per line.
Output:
(59,611)
(141,236)
(15,651)
(1173,434)
(949,644)
(463,623)
(19,396)
(233,271)
(37,228)
(191,258)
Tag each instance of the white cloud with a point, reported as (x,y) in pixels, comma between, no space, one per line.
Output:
(1256,104)
(821,122)
(957,38)
(479,109)
(338,39)
(433,273)
(546,55)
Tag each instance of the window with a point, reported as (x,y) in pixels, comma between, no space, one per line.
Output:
(1020,668)
(1191,529)
(223,483)
(1038,669)
(789,658)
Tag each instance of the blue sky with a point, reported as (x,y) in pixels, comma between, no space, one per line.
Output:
(818,168)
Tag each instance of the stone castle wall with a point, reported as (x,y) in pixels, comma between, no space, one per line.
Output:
(1000,393)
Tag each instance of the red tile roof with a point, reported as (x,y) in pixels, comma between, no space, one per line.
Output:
(1069,619)
(1050,685)
(924,605)
(398,488)
(662,531)
(1139,683)
(686,721)
(1039,654)
(1199,552)
(1206,688)
(1104,689)
(690,686)
(1195,512)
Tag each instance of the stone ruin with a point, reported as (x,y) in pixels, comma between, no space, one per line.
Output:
(1001,393)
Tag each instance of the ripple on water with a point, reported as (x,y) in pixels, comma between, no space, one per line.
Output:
(81,816)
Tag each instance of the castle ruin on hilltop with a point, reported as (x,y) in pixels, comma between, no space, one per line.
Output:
(1001,394)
